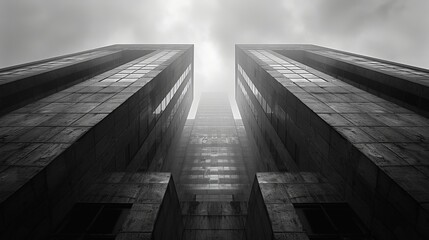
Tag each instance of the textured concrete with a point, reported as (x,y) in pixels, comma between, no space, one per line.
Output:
(372,150)
(403,83)
(26,83)
(272,212)
(214,220)
(153,199)
(53,148)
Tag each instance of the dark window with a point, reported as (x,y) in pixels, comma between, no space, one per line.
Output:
(330,221)
(93,221)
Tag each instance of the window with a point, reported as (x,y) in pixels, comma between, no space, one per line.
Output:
(163,105)
(93,220)
(330,221)
(269,113)
(166,100)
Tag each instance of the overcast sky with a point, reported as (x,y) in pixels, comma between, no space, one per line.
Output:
(388,29)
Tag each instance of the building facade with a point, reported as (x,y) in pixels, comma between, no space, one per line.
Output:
(90,144)
(350,134)
(78,131)
(213,164)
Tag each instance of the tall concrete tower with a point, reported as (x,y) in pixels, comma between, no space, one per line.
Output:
(78,131)
(350,134)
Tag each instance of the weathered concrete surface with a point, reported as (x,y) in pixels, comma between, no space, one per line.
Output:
(26,83)
(155,212)
(271,213)
(214,219)
(372,150)
(403,84)
(50,150)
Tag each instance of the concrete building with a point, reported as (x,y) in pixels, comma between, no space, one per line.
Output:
(213,163)
(77,133)
(97,145)
(350,134)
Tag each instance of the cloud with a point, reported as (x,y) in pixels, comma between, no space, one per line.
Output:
(388,29)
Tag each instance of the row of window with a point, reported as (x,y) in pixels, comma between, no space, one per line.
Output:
(267,139)
(211,176)
(276,116)
(264,104)
(164,138)
(214,168)
(166,100)
(289,69)
(138,69)
(267,108)
(215,161)
(246,96)
(177,104)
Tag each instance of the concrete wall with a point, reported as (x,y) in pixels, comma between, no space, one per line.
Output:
(155,212)
(30,82)
(373,151)
(271,213)
(405,85)
(53,148)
